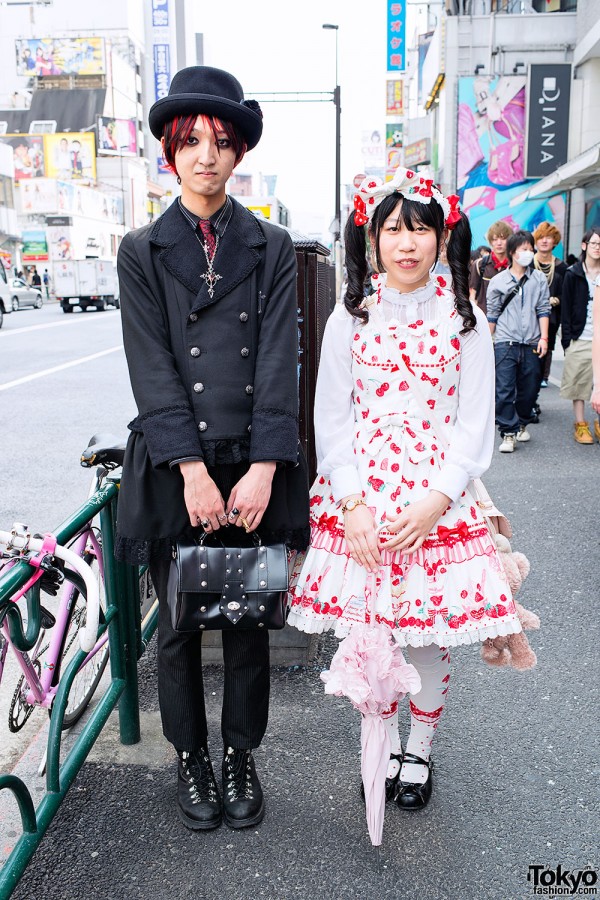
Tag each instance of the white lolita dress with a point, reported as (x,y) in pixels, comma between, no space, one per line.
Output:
(372,437)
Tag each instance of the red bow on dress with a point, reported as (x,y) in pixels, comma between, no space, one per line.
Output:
(453,216)
(360,211)
(327,522)
(461,530)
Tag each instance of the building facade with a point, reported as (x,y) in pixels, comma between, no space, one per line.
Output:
(500,97)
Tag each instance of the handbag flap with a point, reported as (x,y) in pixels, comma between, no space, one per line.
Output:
(208,569)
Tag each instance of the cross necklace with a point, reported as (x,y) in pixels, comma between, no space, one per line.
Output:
(210,244)
(210,276)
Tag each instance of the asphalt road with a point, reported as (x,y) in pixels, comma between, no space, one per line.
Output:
(62,379)
(516,779)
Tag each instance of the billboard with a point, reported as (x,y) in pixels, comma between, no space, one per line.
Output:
(28,154)
(396,36)
(117,137)
(417,153)
(70,155)
(490,156)
(394,137)
(160,13)
(41,57)
(35,247)
(37,196)
(373,153)
(549,96)
(394,105)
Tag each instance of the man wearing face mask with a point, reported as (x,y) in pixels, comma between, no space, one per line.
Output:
(518,312)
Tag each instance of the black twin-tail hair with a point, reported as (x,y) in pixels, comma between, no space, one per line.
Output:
(412,214)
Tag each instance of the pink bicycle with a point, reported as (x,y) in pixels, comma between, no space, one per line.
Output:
(73,622)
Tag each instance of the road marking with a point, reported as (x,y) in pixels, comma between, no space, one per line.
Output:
(28,328)
(74,362)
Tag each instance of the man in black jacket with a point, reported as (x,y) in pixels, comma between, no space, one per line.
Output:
(208,304)
(577,329)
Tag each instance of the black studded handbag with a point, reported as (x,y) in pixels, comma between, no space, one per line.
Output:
(213,586)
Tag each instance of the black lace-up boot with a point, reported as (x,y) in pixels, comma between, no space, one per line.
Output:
(243,803)
(198,800)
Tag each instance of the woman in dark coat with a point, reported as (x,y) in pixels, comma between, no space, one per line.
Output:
(208,301)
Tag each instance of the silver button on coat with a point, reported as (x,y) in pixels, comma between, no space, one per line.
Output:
(193,317)
(195,351)
(244,351)
(198,387)
(202,426)
(243,317)
(249,389)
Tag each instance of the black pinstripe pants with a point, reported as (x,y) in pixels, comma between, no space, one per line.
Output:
(246,678)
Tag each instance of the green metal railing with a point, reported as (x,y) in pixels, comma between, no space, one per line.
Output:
(127,641)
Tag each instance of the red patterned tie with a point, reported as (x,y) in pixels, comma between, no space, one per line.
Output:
(205,226)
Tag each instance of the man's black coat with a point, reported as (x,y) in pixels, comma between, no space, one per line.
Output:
(214,378)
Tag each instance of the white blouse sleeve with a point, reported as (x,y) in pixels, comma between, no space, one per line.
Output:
(472,438)
(334,406)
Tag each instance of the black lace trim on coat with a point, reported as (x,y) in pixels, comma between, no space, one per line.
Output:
(225,452)
(272,411)
(139,552)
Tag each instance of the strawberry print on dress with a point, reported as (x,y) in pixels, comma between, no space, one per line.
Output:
(452,590)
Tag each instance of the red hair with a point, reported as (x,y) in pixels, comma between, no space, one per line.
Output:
(176,134)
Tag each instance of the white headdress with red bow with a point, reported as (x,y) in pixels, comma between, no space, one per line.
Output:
(417,186)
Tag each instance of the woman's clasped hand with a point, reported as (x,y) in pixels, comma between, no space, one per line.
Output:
(410,528)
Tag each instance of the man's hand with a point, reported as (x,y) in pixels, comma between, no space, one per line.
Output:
(202,497)
(251,495)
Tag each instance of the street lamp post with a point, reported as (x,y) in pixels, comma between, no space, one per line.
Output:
(337,223)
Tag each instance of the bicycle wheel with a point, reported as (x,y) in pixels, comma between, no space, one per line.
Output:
(88,678)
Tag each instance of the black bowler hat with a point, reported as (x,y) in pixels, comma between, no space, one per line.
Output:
(212,92)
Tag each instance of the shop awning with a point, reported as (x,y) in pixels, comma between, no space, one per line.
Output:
(573,174)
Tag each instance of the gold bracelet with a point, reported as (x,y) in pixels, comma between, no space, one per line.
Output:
(352,504)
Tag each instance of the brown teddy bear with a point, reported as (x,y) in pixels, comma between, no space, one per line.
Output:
(512,649)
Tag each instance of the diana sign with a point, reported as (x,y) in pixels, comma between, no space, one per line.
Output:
(549,98)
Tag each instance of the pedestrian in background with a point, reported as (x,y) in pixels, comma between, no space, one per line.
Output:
(547,237)
(596,349)
(480,252)
(518,314)
(46,280)
(209,312)
(484,269)
(577,329)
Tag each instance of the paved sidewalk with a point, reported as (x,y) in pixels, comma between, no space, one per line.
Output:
(516,755)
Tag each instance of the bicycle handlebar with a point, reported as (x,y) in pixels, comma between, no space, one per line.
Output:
(89,633)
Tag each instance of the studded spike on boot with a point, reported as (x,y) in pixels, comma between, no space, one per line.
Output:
(198,801)
(243,803)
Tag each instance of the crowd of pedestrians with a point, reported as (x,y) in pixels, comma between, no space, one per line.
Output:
(529,296)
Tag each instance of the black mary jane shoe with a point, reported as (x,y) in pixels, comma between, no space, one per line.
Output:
(415,796)
(243,803)
(391,784)
(198,800)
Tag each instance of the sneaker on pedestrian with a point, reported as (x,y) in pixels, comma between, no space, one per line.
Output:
(597,429)
(544,383)
(582,433)
(508,443)
(523,435)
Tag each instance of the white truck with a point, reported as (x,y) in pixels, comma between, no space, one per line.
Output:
(85,283)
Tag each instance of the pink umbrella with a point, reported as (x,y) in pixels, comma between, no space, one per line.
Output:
(369,668)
